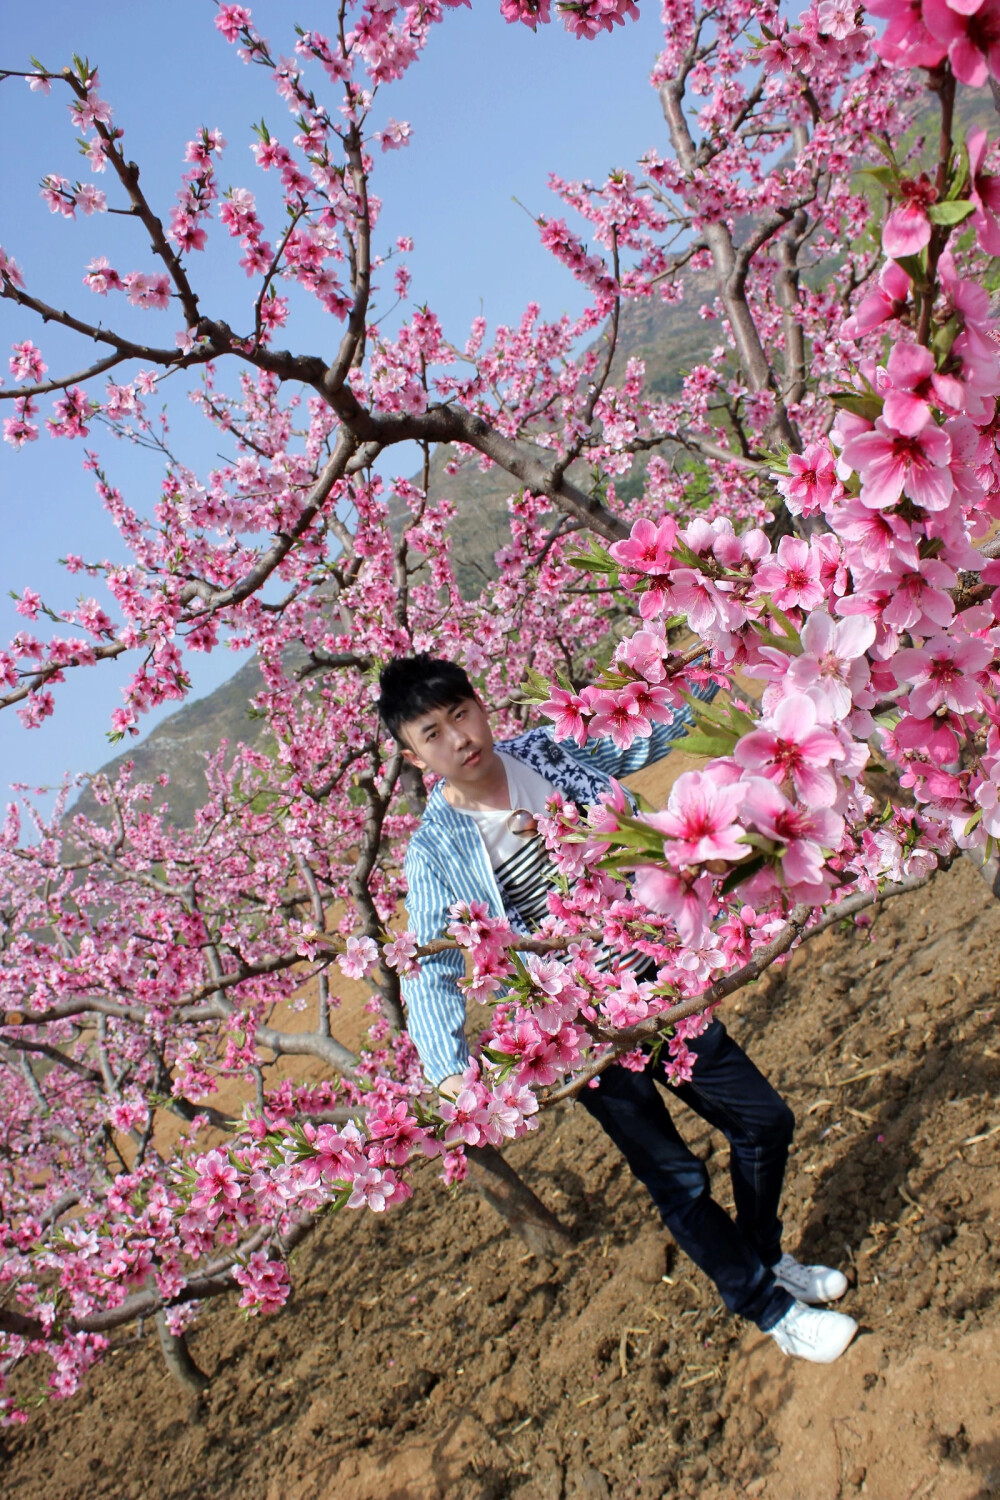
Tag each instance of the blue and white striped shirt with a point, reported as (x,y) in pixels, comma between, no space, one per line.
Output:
(447,862)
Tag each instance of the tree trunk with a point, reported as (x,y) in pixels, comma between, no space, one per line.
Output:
(178,1358)
(513,1200)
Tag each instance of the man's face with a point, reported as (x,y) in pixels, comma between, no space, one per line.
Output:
(455,742)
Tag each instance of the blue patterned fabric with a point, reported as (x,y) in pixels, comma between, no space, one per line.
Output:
(447,862)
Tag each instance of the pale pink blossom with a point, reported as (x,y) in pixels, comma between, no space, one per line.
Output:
(675,896)
(147,291)
(528,12)
(919,596)
(791,577)
(400,953)
(833,662)
(643,652)
(792,745)
(620,716)
(701,820)
(217,1179)
(648,547)
(972,39)
(91,199)
(906,41)
(943,673)
(28,603)
(812,480)
(887,300)
(627,1004)
(460,1116)
(567,709)
(916,385)
(359,958)
(908,229)
(26,362)
(394,135)
(377,1189)
(874,538)
(803,834)
(266,1283)
(984,192)
(890,464)
(229,19)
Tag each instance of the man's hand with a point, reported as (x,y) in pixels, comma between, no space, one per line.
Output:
(451,1086)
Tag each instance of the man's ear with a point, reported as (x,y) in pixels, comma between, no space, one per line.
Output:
(413,758)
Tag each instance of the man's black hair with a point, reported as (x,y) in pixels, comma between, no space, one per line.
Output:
(415,685)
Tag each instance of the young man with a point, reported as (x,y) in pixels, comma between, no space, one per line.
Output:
(477,842)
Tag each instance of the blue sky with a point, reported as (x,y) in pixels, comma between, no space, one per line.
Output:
(493,110)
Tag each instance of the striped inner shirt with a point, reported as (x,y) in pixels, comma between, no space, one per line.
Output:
(522,866)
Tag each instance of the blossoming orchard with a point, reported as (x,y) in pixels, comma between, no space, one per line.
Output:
(812,533)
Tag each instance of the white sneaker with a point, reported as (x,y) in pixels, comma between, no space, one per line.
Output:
(809,1283)
(813,1333)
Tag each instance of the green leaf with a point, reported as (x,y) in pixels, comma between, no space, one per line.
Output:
(519,967)
(644,840)
(742,872)
(719,743)
(535,686)
(686,555)
(881,144)
(887,176)
(960,180)
(915,267)
(706,713)
(950,213)
(499,1059)
(788,640)
(596,559)
(860,405)
(943,339)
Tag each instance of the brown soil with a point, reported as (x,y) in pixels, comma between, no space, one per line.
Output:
(424,1357)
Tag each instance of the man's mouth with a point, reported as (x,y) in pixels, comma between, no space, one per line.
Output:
(470,760)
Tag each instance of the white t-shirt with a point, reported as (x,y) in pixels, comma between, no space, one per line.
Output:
(521,863)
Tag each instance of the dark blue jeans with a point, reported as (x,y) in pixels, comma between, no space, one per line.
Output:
(729,1092)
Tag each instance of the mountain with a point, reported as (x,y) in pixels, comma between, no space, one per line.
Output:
(178,746)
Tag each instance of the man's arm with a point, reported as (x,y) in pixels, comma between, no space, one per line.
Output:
(604,755)
(435,1006)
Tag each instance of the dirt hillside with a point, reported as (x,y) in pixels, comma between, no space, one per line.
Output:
(424,1357)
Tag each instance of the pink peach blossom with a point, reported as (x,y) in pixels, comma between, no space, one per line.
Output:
(915,386)
(701,820)
(790,745)
(908,229)
(984,192)
(890,464)
(803,835)
(972,38)
(943,673)
(792,575)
